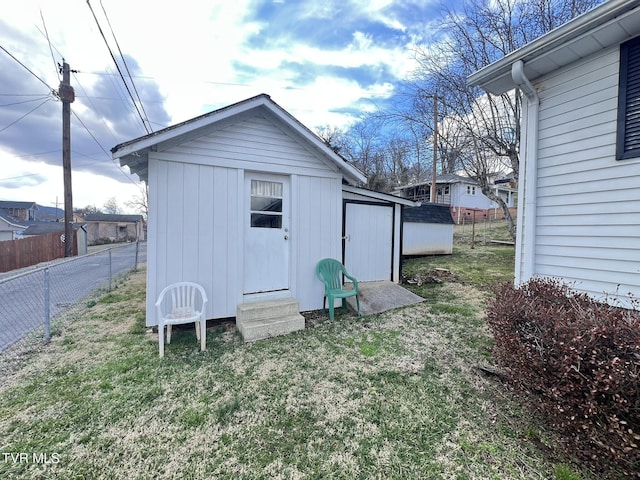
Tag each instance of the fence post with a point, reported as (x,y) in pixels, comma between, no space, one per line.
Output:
(110,268)
(47,307)
(135,267)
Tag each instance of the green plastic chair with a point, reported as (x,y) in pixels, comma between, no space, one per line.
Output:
(330,272)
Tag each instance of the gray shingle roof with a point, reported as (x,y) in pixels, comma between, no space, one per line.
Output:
(428,213)
(112,217)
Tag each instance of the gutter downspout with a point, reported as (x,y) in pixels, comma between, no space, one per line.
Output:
(527,189)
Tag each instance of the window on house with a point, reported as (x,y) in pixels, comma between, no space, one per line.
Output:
(471,190)
(628,132)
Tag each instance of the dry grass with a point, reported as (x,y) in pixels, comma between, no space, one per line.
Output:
(396,395)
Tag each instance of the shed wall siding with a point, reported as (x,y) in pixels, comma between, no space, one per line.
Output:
(194,231)
(251,144)
(317,216)
(196,234)
(427,239)
(587,201)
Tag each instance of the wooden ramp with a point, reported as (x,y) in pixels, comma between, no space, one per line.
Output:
(378,297)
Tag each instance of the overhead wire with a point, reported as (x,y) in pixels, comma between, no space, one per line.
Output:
(103,149)
(40,97)
(44,25)
(47,99)
(117,66)
(25,115)
(51,90)
(126,66)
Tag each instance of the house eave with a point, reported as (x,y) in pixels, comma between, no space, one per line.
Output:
(604,26)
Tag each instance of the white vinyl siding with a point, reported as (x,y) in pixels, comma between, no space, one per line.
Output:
(588,204)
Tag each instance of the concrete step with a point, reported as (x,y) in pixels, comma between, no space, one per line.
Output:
(260,320)
(268,309)
(260,329)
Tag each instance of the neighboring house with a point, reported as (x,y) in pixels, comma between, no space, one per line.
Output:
(26,211)
(10,228)
(579,192)
(427,230)
(462,194)
(107,227)
(43,228)
(245,200)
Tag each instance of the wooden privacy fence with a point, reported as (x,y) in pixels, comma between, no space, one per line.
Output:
(29,251)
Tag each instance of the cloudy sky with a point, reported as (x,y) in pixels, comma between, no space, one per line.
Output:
(324,61)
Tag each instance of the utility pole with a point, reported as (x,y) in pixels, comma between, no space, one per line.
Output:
(435,148)
(67,96)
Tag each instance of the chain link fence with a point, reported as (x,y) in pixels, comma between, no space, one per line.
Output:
(33,301)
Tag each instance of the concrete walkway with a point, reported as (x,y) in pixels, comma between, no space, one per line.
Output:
(378,297)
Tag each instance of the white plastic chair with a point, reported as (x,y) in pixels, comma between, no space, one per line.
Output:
(182,302)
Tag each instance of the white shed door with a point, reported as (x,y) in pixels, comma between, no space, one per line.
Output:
(266,247)
(368,242)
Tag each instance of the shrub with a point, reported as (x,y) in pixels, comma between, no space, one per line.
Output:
(577,361)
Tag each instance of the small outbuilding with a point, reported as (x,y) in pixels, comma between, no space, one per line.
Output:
(428,230)
(114,227)
(245,200)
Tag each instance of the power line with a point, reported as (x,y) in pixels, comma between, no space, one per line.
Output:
(21,95)
(118,67)
(125,65)
(28,70)
(23,102)
(103,149)
(26,114)
(49,42)
(94,107)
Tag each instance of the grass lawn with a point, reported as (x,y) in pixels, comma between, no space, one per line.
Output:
(395,395)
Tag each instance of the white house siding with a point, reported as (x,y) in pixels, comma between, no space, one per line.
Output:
(195,230)
(464,199)
(427,239)
(588,202)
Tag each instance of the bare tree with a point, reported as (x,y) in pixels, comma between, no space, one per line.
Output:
(487,126)
(140,202)
(332,136)
(111,206)
(88,210)
(361,145)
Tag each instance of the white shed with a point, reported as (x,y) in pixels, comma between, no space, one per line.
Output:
(245,200)
(579,195)
(428,230)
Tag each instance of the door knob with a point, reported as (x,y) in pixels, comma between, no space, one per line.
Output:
(286,237)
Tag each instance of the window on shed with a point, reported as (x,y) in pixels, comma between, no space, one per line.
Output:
(266,204)
(628,133)
(471,190)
